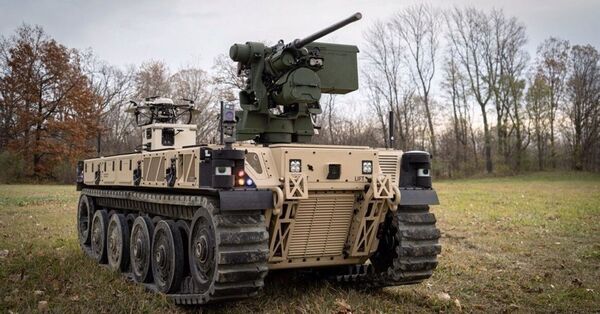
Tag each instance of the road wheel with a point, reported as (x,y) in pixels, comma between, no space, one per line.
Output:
(167,256)
(141,249)
(202,249)
(118,243)
(98,237)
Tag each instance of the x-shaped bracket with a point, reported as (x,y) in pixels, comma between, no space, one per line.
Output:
(383,187)
(295,187)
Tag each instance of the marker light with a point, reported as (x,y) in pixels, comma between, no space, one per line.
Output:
(240,182)
(295,165)
(249,182)
(241,173)
(367,167)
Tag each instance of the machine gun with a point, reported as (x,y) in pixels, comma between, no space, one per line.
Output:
(284,84)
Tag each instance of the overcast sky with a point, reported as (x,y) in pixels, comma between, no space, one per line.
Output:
(193,32)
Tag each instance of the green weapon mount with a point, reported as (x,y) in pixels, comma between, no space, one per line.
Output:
(284,84)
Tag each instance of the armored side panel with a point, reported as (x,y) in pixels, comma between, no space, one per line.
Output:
(339,74)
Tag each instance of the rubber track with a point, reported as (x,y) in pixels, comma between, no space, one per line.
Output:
(415,253)
(242,242)
(242,246)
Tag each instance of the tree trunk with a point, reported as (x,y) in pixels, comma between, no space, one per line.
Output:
(488,142)
(539,147)
(430,124)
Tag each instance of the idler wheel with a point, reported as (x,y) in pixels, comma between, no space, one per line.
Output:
(167,256)
(98,237)
(118,243)
(84,221)
(140,251)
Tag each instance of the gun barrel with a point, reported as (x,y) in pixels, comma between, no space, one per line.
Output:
(299,43)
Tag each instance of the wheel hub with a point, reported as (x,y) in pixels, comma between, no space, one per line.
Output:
(137,248)
(160,255)
(97,235)
(114,242)
(202,250)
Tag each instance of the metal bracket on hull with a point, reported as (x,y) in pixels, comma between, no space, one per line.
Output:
(362,238)
(296,187)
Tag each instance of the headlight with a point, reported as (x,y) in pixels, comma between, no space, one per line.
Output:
(367,167)
(223,171)
(295,165)
(423,173)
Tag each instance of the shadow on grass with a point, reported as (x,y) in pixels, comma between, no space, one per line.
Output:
(297,292)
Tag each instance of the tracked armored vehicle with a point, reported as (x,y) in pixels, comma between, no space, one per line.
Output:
(206,223)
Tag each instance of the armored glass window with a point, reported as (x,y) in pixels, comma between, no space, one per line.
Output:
(254,162)
(168,137)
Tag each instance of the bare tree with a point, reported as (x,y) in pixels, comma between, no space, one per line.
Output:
(418,28)
(376,102)
(386,89)
(552,63)
(538,112)
(226,79)
(473,40)
(330,116)
(194,84)
(113,87)
(509,90)
(152,79)
(584,108)
(454,84)
(510,40)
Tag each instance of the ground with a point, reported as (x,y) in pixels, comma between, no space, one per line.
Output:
(529,243)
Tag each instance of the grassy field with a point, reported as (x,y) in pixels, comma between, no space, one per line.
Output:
(522,244)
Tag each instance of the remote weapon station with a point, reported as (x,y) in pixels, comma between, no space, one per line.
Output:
(206,223)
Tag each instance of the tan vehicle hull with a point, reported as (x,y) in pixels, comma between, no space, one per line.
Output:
(314,221)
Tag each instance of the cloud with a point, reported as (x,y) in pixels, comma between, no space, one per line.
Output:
(126,32)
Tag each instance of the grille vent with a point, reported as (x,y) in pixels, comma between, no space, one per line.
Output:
(389,165)
(321,225)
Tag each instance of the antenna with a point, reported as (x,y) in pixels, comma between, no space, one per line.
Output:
(392,140)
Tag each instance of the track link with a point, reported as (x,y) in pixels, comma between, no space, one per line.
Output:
(407,252)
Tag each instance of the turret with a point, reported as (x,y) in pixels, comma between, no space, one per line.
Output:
(284,84)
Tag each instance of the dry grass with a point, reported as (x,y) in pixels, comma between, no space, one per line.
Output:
(523,244)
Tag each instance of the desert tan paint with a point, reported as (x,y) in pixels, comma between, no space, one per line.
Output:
(318,222)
